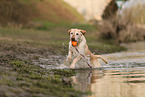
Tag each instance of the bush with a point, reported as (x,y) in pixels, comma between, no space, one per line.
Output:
(127,26)
(134,14)
(121,31)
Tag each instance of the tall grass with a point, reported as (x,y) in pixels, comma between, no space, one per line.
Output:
(127,26)
(134,14)
(120,30)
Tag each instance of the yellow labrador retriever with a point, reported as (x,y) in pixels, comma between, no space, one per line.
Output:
(80,49)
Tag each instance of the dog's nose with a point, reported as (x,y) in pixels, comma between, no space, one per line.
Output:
(72,39)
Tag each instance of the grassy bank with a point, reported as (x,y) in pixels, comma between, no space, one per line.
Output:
(54,38)
(32,13)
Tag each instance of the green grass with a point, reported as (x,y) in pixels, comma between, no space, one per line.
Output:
(57,37)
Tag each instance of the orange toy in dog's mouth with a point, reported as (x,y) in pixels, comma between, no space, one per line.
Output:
(74,43)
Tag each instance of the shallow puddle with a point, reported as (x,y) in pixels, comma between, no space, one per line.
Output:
(124,76)
(111,82)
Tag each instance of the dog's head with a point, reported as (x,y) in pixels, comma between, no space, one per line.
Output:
(76,34)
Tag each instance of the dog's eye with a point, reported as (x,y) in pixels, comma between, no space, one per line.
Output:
(77,33)
(71,33)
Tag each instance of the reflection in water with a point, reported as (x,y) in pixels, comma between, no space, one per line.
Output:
(111,83)
(85,78)
(123,77)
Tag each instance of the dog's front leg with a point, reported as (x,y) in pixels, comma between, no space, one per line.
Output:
(69,57)
(74,61)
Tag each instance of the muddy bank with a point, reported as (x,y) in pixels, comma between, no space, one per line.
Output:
(21,77)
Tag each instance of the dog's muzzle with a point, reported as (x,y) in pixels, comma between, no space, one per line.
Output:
(73,39)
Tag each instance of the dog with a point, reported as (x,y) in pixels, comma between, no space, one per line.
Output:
(81,50)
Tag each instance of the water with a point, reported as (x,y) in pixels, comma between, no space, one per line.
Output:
(111,83)
(123,77)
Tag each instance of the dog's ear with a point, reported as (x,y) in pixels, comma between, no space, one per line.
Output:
(83,32)
(69,31)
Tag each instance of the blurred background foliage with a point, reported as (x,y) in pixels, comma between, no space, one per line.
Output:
(125,25)
(14,12)
(36,13)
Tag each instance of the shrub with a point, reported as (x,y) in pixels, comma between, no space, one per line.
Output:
(135,13)
(121,31)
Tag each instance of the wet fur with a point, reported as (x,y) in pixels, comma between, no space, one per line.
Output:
(82,48)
